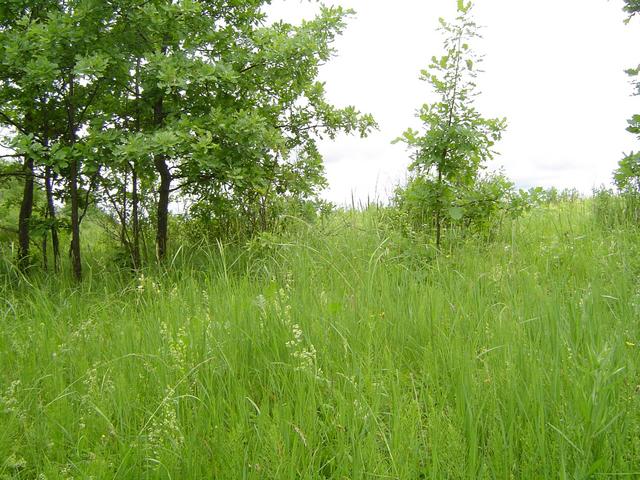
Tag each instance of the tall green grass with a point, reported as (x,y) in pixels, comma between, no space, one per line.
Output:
(339,350)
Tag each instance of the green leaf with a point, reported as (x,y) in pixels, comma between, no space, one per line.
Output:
(94,65)
(462,8)
(165,140)
(456,213)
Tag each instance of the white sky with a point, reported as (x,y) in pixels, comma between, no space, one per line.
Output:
(554,68)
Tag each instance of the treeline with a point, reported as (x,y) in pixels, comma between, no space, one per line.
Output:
(120,104)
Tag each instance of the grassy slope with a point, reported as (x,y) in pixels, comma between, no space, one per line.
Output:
(336,354)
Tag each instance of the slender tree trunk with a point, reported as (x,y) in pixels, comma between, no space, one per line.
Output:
(160,161)
(26,209)
(135,200)
(145,247)
(452,108)
(75,222)
(123,228)
(76,261)
(45,259)
(162,231)
(135,220)
(51,215)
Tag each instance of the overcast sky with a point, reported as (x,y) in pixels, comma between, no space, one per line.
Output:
(553,68)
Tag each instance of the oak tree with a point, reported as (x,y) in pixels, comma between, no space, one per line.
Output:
(456,140)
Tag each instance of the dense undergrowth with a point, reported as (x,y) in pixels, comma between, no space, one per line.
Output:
(335,350)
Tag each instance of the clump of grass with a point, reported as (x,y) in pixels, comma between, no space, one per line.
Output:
(335,351)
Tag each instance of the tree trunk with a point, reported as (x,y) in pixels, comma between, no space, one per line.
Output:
(162,231)
(51,215)
(135,200)
(75,222)
(160,161)
(45,256)
(135,220)
(76,262)
(26,209)
(123,227)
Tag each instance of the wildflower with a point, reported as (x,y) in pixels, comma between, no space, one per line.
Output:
(165,428)
(302,352)
(261,302)
(304,356)
(141,283)
(84,331)
(9,399)
(176,347)
(15,462)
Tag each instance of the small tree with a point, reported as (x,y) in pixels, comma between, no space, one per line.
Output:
(54,58)
(456,140)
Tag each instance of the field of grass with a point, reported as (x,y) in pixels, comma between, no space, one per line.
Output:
(337,351)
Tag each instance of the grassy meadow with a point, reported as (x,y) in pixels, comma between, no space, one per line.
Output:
(339,350)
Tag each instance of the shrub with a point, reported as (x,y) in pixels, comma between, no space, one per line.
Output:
(479,208)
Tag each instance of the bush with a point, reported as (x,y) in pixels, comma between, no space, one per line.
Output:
(239,220)
(479,208)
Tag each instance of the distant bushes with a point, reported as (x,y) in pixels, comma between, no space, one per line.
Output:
(613,208)
(622,205)
(240,220)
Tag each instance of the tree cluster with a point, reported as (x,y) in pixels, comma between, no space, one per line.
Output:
(123,103)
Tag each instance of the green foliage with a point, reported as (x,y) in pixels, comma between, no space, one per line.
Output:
(632,7)
(10,193)
(480,207)
(627,176)
(616,208)
(540,197)
(263,145)
(239,219)
(457,140)
(123,103)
